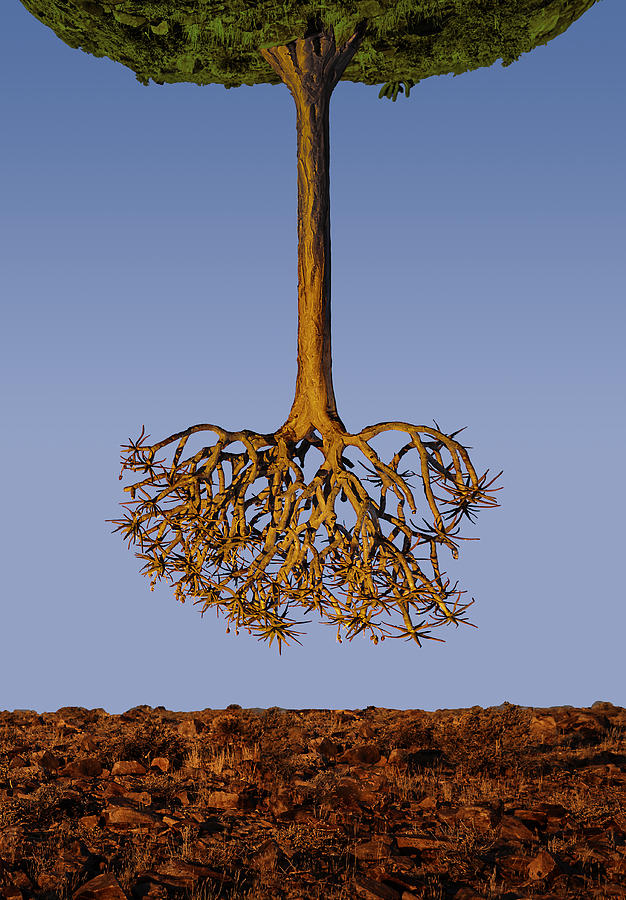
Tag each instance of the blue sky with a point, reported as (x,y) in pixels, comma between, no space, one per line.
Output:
(149,276)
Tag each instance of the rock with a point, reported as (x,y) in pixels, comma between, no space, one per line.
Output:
(79,768)
(380,804)
(102,887)
(128,767)
(513,829)
(129,19)
(543,729)
(127,817)
(541,866)
(12,893)
(481,817)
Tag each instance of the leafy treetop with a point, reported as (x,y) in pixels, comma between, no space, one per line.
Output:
(218,41)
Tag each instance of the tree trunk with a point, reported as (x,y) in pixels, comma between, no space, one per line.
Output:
(311,67)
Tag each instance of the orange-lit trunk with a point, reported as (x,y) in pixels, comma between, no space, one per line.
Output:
(311,67)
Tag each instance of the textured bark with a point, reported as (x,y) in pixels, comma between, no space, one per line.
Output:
(311,67)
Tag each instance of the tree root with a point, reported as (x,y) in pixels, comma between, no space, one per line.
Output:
(210,525)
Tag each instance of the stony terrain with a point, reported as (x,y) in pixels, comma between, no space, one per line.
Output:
(379,804)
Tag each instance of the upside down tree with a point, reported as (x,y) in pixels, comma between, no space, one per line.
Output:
(242,529)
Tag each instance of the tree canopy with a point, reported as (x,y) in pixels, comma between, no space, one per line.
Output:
(219,41)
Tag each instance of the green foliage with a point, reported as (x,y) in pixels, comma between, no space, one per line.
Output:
(218,42)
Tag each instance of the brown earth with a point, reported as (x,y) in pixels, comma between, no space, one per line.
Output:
(379,804)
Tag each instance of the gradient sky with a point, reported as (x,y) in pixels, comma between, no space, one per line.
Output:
(149,276)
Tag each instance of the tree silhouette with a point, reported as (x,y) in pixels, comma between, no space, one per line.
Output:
(250,540)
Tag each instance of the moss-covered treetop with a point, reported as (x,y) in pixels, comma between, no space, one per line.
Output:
(218,41)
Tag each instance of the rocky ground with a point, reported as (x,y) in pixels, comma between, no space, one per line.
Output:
(379,804)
